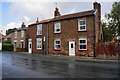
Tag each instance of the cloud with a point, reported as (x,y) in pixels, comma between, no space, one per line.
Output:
(58,0)
(29,11)
(11,25)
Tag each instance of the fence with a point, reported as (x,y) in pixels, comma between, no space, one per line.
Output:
(108,49)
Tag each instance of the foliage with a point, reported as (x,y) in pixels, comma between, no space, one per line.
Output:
(112,26)
(10,31)
(107,31)
(7,47)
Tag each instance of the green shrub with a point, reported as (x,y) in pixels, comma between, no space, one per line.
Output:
(7,47)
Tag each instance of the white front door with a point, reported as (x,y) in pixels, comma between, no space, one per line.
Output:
(71,48)
(30,46)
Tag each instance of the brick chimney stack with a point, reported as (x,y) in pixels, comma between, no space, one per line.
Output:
(23,25)
(97,6)
(56,13)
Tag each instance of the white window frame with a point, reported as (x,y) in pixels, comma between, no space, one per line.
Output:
(15,35)
(57,44)
(82,43)
(55,29)
(81,25)
(39,29)
(39,44)
(22,33)
(15,41)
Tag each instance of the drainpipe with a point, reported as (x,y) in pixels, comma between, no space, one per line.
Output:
(46,39)
(94,43)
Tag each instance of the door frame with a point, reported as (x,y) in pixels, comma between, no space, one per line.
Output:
(71,49)
(29,41)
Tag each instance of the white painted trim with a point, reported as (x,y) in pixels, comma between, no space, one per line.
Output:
(37,43)
(57,44)
(55,28)
(82,25)
(84,43)
(38,29)
(22,33)
(21,40)
(15,40)
(15,34)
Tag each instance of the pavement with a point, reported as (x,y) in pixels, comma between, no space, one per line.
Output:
(79,58)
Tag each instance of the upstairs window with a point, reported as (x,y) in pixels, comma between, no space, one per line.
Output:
(39,43)
(57,28)
(22,33)
(39,29)
(15,34)
(82,25)
(82,44)
(57,44)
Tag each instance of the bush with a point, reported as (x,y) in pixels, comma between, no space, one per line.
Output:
(7,47)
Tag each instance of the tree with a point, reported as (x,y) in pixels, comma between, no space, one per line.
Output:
(10,31)
(112,27)
(107,31)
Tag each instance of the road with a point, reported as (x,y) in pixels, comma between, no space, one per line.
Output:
(16,65)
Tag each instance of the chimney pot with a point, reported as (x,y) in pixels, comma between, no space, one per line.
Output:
(56,12)
(37,20)
(23,25)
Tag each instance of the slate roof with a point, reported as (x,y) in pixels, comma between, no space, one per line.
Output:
(68,16)
(75,15)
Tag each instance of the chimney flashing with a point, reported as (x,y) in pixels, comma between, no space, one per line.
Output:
(95,11)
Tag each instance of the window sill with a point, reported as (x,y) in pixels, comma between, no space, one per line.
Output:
(39,34)
(82,30)
(57,32)
(82,49)
(39,49)
(57,49)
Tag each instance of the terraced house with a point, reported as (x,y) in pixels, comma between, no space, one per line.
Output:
(72,34)
(19,39)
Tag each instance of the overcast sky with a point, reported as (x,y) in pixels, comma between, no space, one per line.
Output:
(14,12)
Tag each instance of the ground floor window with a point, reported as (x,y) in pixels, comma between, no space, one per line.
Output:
(15,43)
(57,44)
(39,43)
(82,44)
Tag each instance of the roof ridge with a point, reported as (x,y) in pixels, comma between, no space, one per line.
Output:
(78,12)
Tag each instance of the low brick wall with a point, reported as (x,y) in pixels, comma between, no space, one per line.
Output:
(21,50)
(108,50)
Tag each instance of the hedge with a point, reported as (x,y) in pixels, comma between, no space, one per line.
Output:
(7,47)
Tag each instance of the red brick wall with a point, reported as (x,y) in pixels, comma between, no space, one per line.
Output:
(19,39)
(107,49)
(32,30)
(69,31)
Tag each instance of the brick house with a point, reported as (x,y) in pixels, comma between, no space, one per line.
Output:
(37,37)
(19,39)
(71,34)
